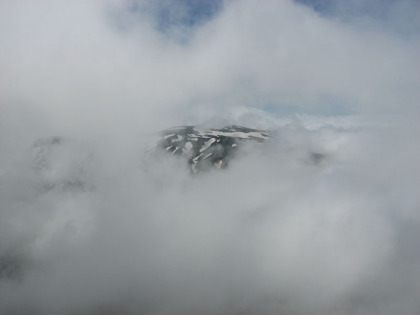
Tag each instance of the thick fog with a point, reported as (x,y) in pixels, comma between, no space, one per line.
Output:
(92,222)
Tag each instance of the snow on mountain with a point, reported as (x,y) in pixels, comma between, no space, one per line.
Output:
(204,148)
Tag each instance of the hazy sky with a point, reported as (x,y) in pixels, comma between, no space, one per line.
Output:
(106,228)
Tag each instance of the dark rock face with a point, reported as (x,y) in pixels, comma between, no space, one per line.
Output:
(210,147)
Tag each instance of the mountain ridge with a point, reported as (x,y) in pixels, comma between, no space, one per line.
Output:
(211,147)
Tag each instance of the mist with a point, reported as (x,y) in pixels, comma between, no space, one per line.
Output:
(103,227)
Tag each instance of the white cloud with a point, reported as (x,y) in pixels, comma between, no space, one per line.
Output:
(270,234)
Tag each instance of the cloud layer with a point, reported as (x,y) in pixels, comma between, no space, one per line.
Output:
(273,233)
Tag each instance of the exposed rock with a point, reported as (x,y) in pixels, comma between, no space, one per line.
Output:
(206,148)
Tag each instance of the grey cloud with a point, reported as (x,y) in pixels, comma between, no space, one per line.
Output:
(270,234)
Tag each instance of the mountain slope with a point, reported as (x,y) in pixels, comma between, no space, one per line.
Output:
(206,148)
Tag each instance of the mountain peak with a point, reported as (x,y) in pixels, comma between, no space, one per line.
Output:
(206,148)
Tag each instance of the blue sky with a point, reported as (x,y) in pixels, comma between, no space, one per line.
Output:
(193,13)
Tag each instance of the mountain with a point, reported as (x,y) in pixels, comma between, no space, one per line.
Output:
(68,163)
(206,148)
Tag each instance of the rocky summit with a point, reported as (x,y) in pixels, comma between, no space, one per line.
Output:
(207,148)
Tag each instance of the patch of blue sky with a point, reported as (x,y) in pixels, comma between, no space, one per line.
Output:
(193,12)
(170,17)
(374,8)
(398,16)
(325,105)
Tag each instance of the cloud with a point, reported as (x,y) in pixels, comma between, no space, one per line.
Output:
(272,233)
